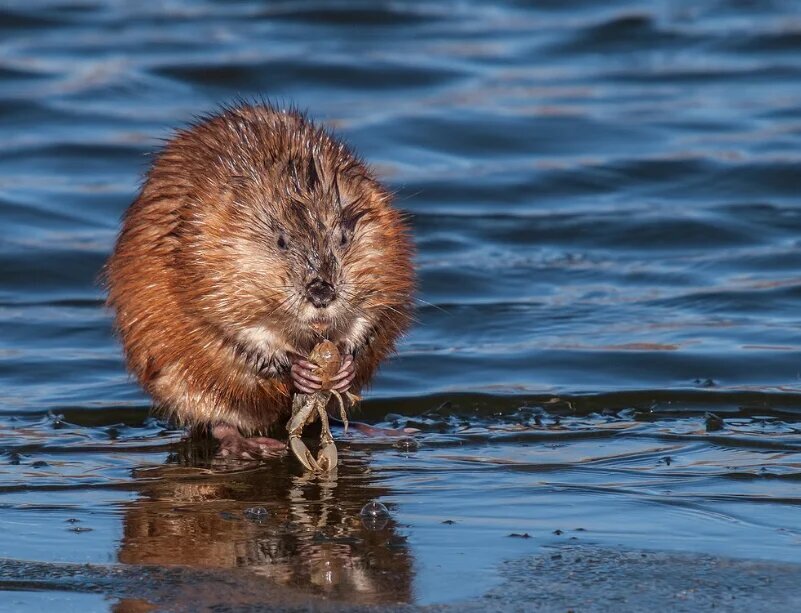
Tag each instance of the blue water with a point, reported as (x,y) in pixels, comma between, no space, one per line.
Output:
(605,199)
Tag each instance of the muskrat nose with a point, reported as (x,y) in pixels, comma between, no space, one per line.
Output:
(320,293)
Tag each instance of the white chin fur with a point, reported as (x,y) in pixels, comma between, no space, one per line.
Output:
(310,313)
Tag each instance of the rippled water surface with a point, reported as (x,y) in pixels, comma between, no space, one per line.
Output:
(605,197)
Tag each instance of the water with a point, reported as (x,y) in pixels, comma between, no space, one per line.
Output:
(605,200)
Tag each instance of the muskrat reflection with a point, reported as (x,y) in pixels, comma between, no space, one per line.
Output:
(312,536)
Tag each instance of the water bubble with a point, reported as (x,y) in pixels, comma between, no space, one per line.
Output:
(374,509)
(375,515)
(256,514)
(406,443)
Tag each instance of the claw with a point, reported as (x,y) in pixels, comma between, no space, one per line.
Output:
(303,411)
(327,456)
(303,454)
(307,408)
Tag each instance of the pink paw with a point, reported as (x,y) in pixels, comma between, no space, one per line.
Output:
(235,446)
(306,381)
(342,380)
(303,376)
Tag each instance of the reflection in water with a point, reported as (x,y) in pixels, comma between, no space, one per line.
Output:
(311,537)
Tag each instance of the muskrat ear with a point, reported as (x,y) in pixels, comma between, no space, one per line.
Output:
(351,214)
(343,201)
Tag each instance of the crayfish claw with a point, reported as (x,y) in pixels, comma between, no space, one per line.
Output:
(303,454)
(327,457)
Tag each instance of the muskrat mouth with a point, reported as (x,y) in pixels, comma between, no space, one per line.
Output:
(320,325)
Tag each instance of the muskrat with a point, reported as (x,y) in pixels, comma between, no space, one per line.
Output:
(255,235)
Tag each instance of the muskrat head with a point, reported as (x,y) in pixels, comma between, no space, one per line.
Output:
(318,233)
(285,237)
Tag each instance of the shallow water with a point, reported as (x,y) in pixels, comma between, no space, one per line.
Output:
(605,200)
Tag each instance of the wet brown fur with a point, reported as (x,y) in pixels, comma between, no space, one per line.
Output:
(209,307)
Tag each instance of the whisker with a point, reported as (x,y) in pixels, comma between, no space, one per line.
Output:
(431,304)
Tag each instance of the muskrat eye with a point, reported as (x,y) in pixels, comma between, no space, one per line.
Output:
(281,242)
(344,240)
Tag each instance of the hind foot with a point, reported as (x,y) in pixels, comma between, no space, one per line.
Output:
(235,446)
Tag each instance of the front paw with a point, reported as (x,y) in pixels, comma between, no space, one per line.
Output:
(342,380)
(303,377)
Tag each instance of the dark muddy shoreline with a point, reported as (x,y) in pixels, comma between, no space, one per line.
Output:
(570,577)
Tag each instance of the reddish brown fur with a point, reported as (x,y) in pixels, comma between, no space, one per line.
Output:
(209,307)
